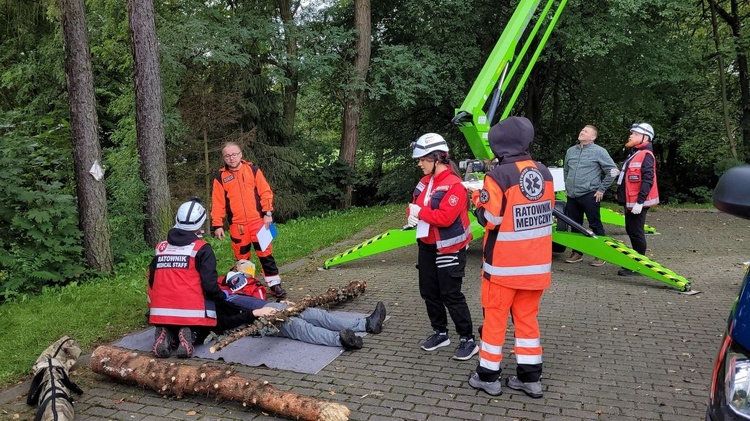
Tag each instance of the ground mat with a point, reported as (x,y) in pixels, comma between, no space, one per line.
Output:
(271,351)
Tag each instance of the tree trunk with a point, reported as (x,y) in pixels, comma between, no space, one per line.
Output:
(722,81)
(355,92)
(84,124)
(171,379)
(149,119)
(734,20)
(207,177)
(287,9)
(333,295)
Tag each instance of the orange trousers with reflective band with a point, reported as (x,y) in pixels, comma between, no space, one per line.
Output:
(244,239)
(498,301)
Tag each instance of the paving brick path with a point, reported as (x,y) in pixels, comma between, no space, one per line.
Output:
(614,348)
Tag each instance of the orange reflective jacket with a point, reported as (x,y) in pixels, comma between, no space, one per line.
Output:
(517,202)
(243,196)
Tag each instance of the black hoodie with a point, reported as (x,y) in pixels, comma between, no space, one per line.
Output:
(511,138)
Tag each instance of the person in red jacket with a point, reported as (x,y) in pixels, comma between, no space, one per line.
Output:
(636,187)
(439,210)
(515,207)
(184,298)
(242,195)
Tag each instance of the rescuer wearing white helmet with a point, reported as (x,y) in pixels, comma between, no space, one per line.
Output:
(184,298)
(636,186)
(440,201)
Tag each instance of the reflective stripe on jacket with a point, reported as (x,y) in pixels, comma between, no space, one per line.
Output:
(517,201)
(447,213)
(176,296)
(633,179)
(243,196)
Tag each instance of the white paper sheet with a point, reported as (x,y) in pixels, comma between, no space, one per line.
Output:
(423,229)
(265,236)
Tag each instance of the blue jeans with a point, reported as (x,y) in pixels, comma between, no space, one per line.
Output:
(314,326)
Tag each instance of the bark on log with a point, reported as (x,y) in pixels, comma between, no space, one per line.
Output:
(354,289)
(170,378)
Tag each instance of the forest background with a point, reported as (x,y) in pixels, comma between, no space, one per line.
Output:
(326,96)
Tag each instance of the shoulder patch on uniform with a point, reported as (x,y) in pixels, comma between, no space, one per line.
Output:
(531,183)
(484,196)
(230,178)
(453,200)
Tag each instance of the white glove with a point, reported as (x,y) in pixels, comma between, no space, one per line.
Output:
(414,209)
(614,172)
(412,220)
(637,208)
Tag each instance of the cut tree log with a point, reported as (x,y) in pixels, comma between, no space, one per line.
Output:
(262,324)
(173,379)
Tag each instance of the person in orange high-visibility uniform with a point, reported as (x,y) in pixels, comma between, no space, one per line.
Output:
(636,187)
(242,195)
(515,207)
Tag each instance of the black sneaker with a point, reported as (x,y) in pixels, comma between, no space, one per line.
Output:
(627,272)
(435,341)
(466,349)
(374,322)
(349,340)
(163,341)
(278,291)
(185,343)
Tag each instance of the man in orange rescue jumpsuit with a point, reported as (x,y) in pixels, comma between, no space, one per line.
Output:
(515,207)
(242,194)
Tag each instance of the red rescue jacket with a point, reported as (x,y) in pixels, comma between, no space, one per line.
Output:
(176,296)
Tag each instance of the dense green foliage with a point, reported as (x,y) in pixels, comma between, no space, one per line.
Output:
(235,70)
(38,209)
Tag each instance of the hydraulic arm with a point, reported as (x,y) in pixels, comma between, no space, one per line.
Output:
(495,78)
(499,71)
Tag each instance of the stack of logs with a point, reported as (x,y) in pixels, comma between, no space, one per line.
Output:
(173,379)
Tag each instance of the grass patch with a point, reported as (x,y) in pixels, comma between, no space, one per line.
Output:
(104,309)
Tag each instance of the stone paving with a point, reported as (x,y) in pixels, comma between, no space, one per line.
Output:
(614,348)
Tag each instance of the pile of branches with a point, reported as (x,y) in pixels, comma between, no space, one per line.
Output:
(267,325)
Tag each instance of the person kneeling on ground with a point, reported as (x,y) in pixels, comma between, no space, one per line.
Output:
(314,325)
(184,298)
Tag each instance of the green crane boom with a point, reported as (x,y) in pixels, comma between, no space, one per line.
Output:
(474,122)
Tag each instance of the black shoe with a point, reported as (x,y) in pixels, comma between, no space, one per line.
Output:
(349,340)
(627,272)
(374,322)
(435,341)
(278,291)
(185,343)
(466,349)
(162,342)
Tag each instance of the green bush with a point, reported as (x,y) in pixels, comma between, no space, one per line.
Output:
(42,245)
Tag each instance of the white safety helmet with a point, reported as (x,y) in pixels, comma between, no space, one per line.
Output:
(428,143)
(644,128)
(235,280)
(190,216)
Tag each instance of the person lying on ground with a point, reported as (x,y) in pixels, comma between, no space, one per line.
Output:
(313,325)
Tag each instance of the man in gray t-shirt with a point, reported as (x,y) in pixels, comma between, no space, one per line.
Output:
(588,173)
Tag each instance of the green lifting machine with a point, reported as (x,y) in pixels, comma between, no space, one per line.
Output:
(474,122)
